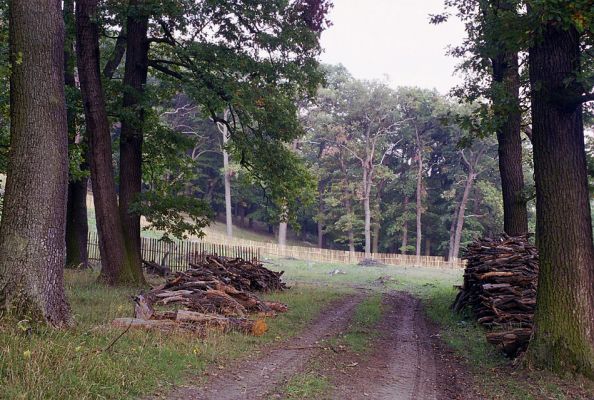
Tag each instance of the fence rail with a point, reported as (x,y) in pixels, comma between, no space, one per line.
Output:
(180,253)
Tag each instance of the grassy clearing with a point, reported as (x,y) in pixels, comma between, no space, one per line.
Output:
(49,364)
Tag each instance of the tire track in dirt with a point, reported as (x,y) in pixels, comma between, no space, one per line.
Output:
(407,362)
(257,378)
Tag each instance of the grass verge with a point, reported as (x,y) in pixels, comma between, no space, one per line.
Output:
(50,364)
(309,385)
(361,330)
(494,374)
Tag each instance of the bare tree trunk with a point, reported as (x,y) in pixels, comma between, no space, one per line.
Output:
(32,233)
(131,137)
(375,241)
(506,106)
(109,228)
(282,227)
(282,234)
(461,212)
(427,246)
(320,214)
(564,319)
(227,172)
(348,208)
(77,228)
(453,234)
(403,248)
(419,194)
(367,209)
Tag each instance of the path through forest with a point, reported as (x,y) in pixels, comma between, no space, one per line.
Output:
(407,360)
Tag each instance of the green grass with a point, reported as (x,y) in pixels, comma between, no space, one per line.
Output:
(49,364)
(492,371)
(308,385)
(361,330)
(418,281)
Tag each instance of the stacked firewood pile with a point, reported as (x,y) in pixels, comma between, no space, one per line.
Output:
(239,273)
(216,294)
(500,288)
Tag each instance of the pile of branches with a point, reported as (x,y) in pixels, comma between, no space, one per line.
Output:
(198,302)
(239,273)
(500,283)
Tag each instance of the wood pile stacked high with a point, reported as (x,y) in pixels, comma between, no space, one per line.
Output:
(217,295)
(500,283)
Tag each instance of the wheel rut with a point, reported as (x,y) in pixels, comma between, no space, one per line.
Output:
(261,376)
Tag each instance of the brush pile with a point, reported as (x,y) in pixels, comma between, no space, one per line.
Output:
(208,297)
(500,283)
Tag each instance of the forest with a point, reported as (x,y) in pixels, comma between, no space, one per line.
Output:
(129,118)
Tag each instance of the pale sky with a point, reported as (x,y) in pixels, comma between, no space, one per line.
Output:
(375,38)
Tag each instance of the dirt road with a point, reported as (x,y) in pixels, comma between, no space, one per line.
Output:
(406,362)
(254,379)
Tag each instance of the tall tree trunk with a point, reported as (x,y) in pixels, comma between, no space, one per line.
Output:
(461,212)
(282,234)
(427,246)
(77,228)
(367,209)
(419,194)
(375,241)
(109,228)
(320,215)
(227,171)
(564,319)
(348,207)
(403,248)
(135,75)
(32,233)
(453,234)
(505,74)
(282,227)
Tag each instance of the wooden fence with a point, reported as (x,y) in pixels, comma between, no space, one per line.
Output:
(181,252)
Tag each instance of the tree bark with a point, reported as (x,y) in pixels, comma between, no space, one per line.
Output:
(367,208)
(375,241)
(515,214)
(77,228)
(320,214)
(564,319)
(403,248)
(461,212)
(131,138)
(419,193)
(109,229)
(348,207)
(32,233)
(453,234)
(227,171)
(282,226)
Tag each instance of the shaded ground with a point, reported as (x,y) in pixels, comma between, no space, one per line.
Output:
(406,360)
